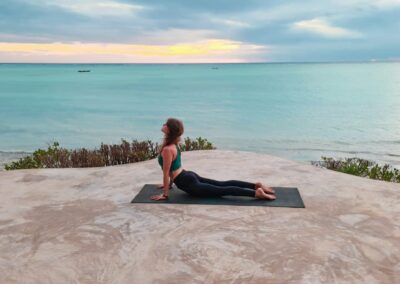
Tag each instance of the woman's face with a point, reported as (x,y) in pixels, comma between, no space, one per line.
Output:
(165,128)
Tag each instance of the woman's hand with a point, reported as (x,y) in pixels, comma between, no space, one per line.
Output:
(158,197)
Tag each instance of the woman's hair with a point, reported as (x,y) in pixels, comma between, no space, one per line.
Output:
(176,129)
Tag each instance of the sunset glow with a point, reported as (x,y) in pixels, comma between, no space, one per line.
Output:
(189,51)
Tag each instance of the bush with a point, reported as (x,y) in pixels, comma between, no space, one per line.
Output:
(361,167)
(107,155)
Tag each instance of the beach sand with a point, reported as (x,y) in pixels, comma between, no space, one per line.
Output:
(78,226)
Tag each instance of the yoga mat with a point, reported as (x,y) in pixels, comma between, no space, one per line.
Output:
(285,197)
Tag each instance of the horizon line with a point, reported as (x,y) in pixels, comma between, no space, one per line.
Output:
(220,63)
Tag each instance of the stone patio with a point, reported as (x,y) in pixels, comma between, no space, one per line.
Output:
(78,226)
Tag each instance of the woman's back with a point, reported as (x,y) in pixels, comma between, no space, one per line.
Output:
(176,164)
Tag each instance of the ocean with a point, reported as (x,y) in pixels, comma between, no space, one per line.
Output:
(296,111)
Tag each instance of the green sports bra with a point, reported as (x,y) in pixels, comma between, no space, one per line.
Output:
(176,164)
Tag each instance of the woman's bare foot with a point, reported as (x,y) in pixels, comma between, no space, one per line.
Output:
(266,189)
(262,195)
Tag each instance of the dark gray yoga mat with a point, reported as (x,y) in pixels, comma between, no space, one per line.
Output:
(285,197)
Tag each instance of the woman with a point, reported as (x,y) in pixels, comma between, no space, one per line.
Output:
(190,182)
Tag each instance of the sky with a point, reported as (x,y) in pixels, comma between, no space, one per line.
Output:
(198,31)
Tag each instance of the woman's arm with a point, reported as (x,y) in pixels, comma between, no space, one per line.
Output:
(167,161)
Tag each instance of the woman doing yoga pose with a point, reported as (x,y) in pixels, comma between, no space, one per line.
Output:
(190,182)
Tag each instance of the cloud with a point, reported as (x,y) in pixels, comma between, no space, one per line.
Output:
(202,51)
(8,37)
(287,31)
(230,23)
(375,5)
(387,3)
(94,8)
(325,29)
(174,35)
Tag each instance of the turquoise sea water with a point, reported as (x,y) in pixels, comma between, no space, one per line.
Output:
(296,111)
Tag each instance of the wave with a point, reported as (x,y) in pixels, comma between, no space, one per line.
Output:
(332,150)
(393,155)
(385,157)
(381,141)
(6,157)
(14,152)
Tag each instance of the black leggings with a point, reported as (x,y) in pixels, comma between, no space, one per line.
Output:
(194,184)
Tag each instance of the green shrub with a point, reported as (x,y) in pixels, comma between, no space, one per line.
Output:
(361,167)
(107,155)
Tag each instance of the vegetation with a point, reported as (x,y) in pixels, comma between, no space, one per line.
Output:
(361,167)
(137,151)
(107,155)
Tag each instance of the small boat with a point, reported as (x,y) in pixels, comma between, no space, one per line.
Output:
(83,70)
(215,68)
